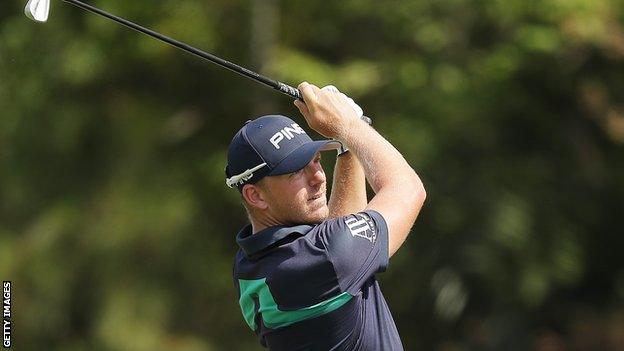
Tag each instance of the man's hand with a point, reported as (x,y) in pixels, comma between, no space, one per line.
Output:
(327,111)
(356,107)
(399,193)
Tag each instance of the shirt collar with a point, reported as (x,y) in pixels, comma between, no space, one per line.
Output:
(252,244)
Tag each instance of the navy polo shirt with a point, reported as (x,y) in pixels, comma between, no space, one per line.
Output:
(313,287)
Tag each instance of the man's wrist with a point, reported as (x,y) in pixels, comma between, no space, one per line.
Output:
(343,147)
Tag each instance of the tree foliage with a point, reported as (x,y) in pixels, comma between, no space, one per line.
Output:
(117,230)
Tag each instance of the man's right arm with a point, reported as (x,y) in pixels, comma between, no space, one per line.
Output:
(399,191)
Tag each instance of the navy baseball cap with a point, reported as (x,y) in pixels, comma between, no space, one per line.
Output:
(270,145)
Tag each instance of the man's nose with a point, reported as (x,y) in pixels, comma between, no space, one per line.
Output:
(315,172)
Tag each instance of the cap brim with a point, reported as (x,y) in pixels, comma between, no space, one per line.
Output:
(303,155)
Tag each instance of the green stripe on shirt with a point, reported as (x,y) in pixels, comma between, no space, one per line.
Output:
(273,317)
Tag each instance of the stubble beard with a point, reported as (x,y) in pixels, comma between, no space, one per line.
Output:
(309,216)
(318,215)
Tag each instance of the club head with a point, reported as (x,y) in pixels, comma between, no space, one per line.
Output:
(37,10)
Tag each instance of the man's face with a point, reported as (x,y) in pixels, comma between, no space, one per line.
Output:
(299,197)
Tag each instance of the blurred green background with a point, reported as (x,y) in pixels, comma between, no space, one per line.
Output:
(117,229)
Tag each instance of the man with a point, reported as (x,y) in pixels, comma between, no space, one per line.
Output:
(305,270)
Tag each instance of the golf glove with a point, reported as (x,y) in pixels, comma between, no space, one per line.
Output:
(358,110)
(356,107)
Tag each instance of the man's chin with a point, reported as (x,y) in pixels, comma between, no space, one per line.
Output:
(317,216)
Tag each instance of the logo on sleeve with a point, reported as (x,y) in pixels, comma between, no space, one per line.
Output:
(362,227)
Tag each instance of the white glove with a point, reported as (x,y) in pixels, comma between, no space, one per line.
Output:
(358,110)
(356,107)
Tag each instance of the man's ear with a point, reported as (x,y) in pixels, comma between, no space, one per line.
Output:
(255,197)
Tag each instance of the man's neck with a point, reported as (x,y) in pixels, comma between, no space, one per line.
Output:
(262,223)
(256,227)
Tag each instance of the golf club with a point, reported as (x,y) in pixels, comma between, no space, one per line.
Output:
(38,10)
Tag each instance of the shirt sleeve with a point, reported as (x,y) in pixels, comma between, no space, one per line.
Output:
(357,246)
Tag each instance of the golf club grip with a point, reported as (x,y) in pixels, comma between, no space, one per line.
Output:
(290,91)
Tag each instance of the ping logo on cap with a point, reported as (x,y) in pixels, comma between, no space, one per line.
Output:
(286,132)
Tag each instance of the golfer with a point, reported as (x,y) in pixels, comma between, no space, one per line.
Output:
(305,271)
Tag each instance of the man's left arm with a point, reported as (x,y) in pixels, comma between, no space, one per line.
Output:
(348,193)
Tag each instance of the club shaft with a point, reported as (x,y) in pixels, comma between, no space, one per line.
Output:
(279,86)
